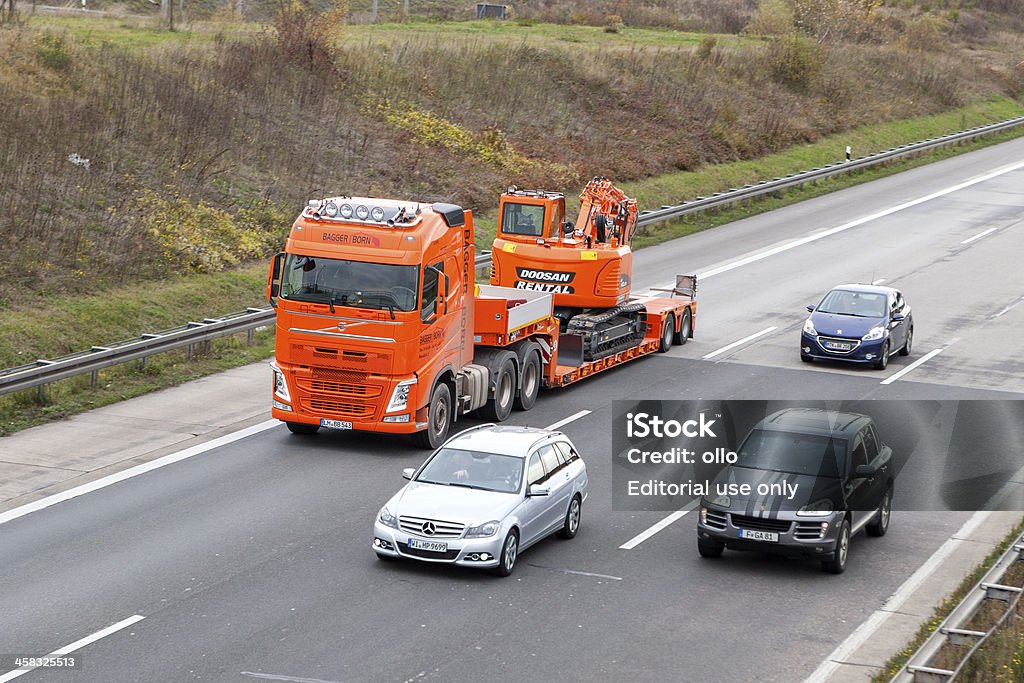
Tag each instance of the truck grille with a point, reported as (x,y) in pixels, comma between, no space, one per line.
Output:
(320,386)
(414,525)
(342,408)
(716,519)
(343,376)
(760,523)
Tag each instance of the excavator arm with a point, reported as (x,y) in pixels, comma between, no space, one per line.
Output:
(606,214)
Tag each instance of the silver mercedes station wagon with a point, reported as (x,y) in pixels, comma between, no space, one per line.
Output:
(485,495)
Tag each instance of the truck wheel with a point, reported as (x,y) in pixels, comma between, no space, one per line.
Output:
(302,428)
(685,328)
(668,332)
(529,385)
(500,407)
(439,419)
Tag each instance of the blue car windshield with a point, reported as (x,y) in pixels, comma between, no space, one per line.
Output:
(860,304)
(474,469)
(810,454)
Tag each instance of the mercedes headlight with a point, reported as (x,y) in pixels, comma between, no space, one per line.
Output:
(387,519)
(483,530)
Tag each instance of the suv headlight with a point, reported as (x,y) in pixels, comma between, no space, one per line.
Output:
(483,530)
(722,501)
(821,508)
(387,519)
(809,328)
(874,333)
(400,396)
(280,384)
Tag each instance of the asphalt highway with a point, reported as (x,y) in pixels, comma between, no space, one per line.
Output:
(252,561)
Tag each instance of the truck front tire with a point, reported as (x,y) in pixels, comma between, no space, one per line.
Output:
(439,419)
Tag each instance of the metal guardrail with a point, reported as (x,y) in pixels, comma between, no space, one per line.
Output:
(44,371)
(917,669)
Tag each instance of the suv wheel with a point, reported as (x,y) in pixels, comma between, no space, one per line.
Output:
(709,548)
(837,565)
(880,524)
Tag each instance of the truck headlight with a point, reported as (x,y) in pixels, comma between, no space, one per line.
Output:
(809,328)
(821,508)
(874,333)
(280,384)
(400,396)
(387,519)
(483,530)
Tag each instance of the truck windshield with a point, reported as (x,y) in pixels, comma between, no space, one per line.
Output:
(810,454)
(350,283)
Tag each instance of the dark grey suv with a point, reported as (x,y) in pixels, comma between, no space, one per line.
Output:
(804,482)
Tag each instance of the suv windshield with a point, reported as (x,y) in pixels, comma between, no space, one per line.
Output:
(473,469)
(791,452)
(860,304)
(350,283)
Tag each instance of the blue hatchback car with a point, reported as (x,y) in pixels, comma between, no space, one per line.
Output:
(858,323)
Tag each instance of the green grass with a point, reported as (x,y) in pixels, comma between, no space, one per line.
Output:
(136,32)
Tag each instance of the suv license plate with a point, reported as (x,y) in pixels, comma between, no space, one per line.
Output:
(753,535)
(432,546)
(335,424)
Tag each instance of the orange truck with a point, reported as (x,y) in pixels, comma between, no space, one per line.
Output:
(381,327)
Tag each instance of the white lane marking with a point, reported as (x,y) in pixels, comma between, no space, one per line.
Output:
(290,679)
(644,535)
(852,224)
(571,418)
(576,571)
(923,359)
(879,281)
(77,645)
(135,471)
(979,236)
(767,330)
(1008,308)
(839,656)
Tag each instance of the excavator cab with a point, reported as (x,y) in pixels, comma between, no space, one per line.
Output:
(586,265)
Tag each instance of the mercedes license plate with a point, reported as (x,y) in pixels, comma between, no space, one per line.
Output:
(432,546)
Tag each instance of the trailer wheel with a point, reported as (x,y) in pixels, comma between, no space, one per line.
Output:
(685,328)
(529,384)
(500,407)
(439,419)
(668,331)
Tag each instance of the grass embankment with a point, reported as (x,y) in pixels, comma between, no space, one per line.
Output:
(81,322)
(1002,659)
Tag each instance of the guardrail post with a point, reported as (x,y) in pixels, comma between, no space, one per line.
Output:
(94,378)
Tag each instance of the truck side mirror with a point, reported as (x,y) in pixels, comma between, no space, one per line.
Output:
(274,279)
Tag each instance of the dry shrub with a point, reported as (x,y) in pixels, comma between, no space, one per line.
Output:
(309,36)
(926,32)
(835,20)
(773,18)
(794,61)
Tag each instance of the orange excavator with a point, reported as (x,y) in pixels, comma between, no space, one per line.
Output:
(586,265)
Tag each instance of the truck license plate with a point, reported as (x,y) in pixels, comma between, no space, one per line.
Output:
(335,424)
(754,535)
